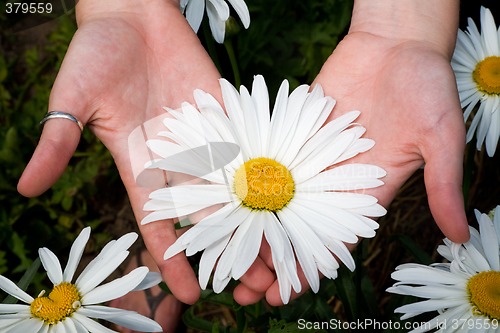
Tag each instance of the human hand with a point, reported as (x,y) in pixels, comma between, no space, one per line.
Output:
(401,80)
(126,61)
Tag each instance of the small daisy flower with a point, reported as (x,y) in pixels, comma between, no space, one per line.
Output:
(69,306)
(218,14)
(278,184)
(476,62)
(464,291)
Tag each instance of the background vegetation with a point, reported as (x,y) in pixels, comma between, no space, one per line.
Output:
(287,39)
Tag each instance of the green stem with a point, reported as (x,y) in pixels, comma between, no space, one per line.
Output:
(234,63)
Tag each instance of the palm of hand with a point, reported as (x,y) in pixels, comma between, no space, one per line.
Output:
(409,103)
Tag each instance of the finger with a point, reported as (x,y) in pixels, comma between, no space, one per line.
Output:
(443,180)
(258,277)
(158,236)
(57,144)
(254,283)
(60,137)
(246,296)
(176,271)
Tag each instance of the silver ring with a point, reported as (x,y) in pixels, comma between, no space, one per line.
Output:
(61,115)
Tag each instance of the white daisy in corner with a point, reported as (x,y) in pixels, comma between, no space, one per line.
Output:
(218,14)
(69,306)
(476,62)
(278,185)
(464,292)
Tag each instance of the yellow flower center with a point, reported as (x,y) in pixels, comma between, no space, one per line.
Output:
(484,293)
(264,184)
(487,75)
(62,301)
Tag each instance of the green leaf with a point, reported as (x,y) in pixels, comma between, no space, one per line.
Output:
(25,280)
(414,249)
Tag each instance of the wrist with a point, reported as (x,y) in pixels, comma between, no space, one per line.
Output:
(89,9)
(429,21)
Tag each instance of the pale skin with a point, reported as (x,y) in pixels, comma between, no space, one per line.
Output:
(127,60)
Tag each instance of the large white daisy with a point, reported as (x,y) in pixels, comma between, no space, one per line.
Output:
(69,306)
(476,62)
(464,291)
(218,14)
(277,184)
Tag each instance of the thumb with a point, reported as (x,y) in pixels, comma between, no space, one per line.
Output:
(443,175)
(57,143)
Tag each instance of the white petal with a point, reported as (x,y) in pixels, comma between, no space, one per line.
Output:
(208,259)
(90,324)
(251,121)
(152,279)
(283,281)
(116,288)
(75,254)
(489,32)
(242,10)
(290,126)
(215,220)
(476,257)
(6,323)
(13,308)
(79,327)
(282,252)
(209,233)
(359,224)
(494,129)
(249,247)
(275,236)
(184,194)
(340,250)
(496,220)
(490,241)
(485,122)
(52,265)
(440,291)
(359,146)
(194,13)
(278,118)
(25,326)
(100,272)
(320,221)
(260,97)
(324,137)
(235,113)
(301,244)
(345,177)
(12,289)
(219,8)
(228,258)
(327,156)
(125,318)
(66,326)
(110,257)
(431,305)
(424,275)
